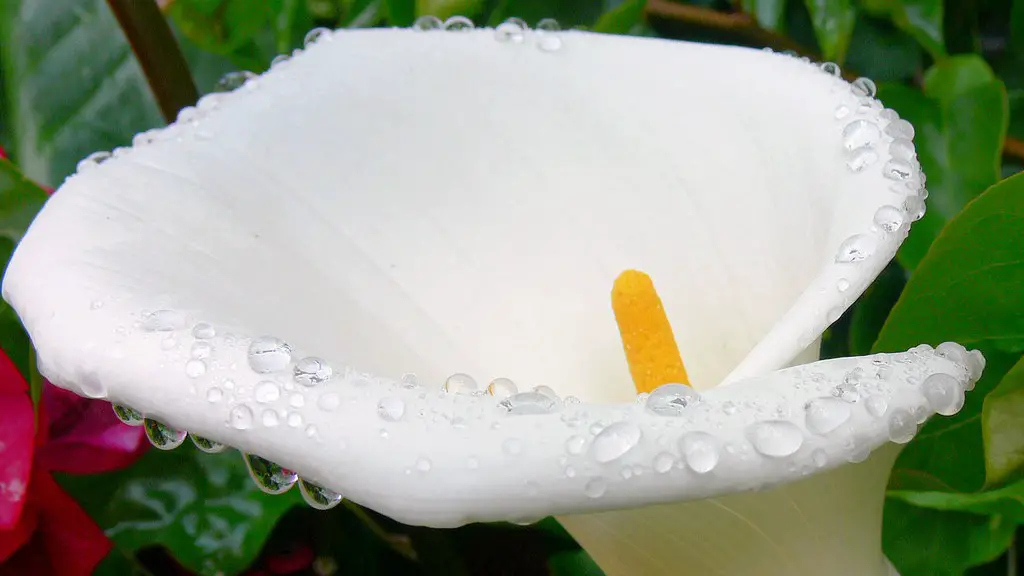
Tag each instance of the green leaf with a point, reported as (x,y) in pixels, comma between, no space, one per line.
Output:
(446,8)
(203,508)
(568,13)
(402,12)
(833,22)
(73,85)
(770,14)
(1002,424)
(870,311)
(961,122)
(622,19)
(927,542)
(1017,26)
(881,52)
(1007,501)
(573,563)
(921,19)
(968,289)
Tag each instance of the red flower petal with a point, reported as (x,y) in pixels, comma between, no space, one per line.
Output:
(17,428)
(85,436)
(71,540)
(17,536)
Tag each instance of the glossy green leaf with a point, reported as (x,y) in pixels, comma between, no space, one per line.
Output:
(203,508)
(403,12)
(968,289)
(927,542)
(622,19)
(921,19)
(1007,501)
(883,53)
(961,121)
(73,86)
(770,14)
(833,22)
(1003,429)
(870,311)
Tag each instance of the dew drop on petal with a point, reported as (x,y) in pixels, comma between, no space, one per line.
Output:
(902,426)
(860,134)
(163,321)
(864,87)
(615,441)
(954,352)
(427,23)
(831,68)
(502,388)
(297,401)
(268,476)
(201,350)
(240,417)
(195,368)
(842,111)
(823,415)
(876,405)
(162,436)
(458,24)
(269,418)
(574,445)
(700,451)
(900,129)
(861,159)
(664,462)
(528,403)
(214,395)
(318,497)
(914,207)
(856,248)
(233,80)
(671,399)
(391,408)
(943,393)
(206,445)
(819,457)
(902,149)
(315,35)
(512,30)
(129,416)
(775,438)
(889,218)
(899,170)
(460,384)
(423,464)
(329,402)
(294,419)
(269,354)
(595,487)
(266,392)
(311,371)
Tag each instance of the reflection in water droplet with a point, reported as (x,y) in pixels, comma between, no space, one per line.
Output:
(315,35)
(268,476)
(240,417)
(391,409)
(831,68)
(860,134)
(233,80)
(664,462)
(823,415)
(914,206)
(889,218)
(317,496)
(162,436)
(899,170)
(671,399)
(92,160)
(528,403)
(311,371)
(595,487)
(458,24)
(460,384)
(511,30)
(943,393)
(207,445)
(129,416)
(902,426)
(549,25)
(775,438)
(700,450)
(876,405)
(266,391)
(856,248)
(864,87)
(195,368)
(614,441)
(574,445)
(268,354)
(502,388)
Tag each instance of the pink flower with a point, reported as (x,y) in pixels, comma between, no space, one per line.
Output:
(42,529)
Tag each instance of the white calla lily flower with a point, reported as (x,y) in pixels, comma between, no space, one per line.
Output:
(458,206)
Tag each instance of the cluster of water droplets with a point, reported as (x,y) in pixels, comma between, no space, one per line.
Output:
(546,35)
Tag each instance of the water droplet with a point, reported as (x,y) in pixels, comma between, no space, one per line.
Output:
(898,170)
(214,395)
(266,391)
(195,368)
(856,248)
(294,419)
(943,393)
(549,42)
(900,129)
(902,149)
(312,431)
(511,30)
(775,438)
(502,388)
(615,441)
(914,207)
(279,59)
(93,160)
(729,407)
(163,321)
(460,384)
(953,352)
(233,80)
(823,415)
(549,25)
(297,401)
(864,87)
(391,409)
(512,446)
(860,134)
(268,476)
(318,497)
(876,405)
(976,366)
(861,159)
(671,399)
(595,487)
(843,285)
(268,354)
(315,35)
(664,462)
(423,464)
(834,314)
(547,391)
(819,457)
(206,445)
(458,24)
(311,371)
(902,426)
(842,111)
(201,350)
(240,417)
(700,450)
(269,418)
(129,416)
(889,218)
(162,436)
(574,445)
(570,472)
(410,381)
(203,331)
(329,402)
(528,403)
(831,68)
(427,23)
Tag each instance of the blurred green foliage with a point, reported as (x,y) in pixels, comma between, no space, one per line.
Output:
(69,85)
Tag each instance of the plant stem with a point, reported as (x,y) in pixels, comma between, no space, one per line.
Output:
(35,382)
(158,54)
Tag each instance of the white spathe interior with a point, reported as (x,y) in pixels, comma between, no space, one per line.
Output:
(434,203)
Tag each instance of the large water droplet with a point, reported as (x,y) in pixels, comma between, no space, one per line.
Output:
(240,417)
(823,415)
(700,450)
(902,149)
(502,388)
(943,393)
(831,68)
(864,87)
(615,441)
(391,409)
(889,218)
(775,438)
(195,368)
(664,462)
(860,134)
(861,158)
(671,399)
(129,416)
(311,371)
(268,354)
(460,384)
(206,445)
(953,352)
(900,129)
(317,496)
(511,30)
(856,248)
(914,207)
(162,436)
(203,331)
(899,170)
(595,487)
(902,426)
(266,391)
(528,403)
(876,405)
(458,24)
(269,477)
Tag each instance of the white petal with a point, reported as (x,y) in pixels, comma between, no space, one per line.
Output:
(439,202)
